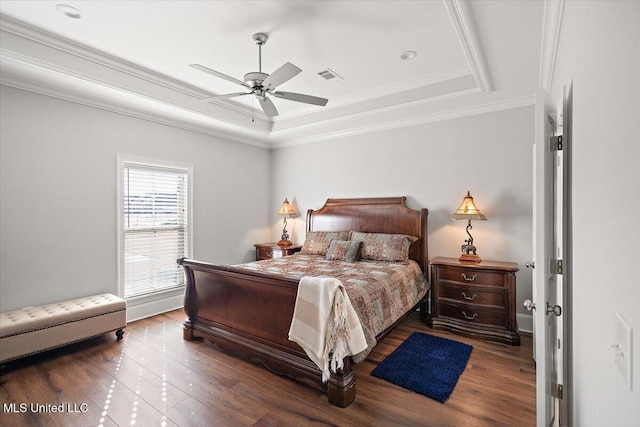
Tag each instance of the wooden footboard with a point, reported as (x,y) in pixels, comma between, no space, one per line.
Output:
(249,314)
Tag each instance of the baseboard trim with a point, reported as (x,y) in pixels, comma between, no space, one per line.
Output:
(142,310)
(525,322)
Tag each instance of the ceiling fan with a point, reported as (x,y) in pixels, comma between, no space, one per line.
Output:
(261,84)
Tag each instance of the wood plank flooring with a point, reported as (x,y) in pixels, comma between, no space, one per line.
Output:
(155,378)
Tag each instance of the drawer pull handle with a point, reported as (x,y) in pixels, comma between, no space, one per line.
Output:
(469,298)
(464,313)
(469,279)
(269,253)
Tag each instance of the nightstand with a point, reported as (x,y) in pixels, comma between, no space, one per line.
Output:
(476,300)
(273,250)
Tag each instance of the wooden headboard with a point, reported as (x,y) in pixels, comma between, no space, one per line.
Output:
(375,215)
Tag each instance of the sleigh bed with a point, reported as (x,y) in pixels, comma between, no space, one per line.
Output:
(247,309)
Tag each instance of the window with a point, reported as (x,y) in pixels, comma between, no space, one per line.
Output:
(154,232)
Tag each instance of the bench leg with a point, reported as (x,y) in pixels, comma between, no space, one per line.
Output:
(119,334)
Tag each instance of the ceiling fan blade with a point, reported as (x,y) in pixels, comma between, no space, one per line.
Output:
(218,74)
(268,107)
(225,96)
(299,97)
(281,75)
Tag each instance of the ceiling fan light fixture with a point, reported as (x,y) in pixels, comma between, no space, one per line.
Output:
(254,79)
(408,55)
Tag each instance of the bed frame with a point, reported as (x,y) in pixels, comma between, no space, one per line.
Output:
(249,313)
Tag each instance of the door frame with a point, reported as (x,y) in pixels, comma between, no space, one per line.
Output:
(567,255)
(543,229)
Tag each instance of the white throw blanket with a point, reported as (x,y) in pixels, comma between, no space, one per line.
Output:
(324,323)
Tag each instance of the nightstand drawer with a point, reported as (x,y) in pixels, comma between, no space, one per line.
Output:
(469,276)
(473,314)
(269,253)
(471,295)
(273,250)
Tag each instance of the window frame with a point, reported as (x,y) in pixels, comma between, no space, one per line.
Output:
(128,161)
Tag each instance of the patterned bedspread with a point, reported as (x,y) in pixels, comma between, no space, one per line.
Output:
(381,292)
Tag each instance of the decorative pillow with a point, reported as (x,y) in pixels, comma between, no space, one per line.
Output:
(317,242)
(343,250)
(383,247)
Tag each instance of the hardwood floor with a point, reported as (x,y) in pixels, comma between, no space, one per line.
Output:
(153,377)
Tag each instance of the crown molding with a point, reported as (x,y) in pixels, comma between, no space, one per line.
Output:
(87,53)
(58,84)
(40,36)
(462,19)
(551,26)
(415,120)
(310,127)
(380,91)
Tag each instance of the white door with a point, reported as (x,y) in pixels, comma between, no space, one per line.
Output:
(563,245)
(548,218)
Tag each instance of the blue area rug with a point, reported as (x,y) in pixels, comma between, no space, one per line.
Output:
(426,364)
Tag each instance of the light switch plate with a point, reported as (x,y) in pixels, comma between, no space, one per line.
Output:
(623,349)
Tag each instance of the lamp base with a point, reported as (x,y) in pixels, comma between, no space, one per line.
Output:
(469,258)
(285,243)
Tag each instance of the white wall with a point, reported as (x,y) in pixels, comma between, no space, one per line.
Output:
(599,52)
(433,165)
(58,195)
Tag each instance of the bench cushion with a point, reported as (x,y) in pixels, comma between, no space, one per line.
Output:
(44,316)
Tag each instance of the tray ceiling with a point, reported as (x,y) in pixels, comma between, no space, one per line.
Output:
(133,57)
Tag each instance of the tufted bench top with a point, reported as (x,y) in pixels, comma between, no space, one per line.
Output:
(43,316)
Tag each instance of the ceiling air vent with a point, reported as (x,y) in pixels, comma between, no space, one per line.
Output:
(329,74)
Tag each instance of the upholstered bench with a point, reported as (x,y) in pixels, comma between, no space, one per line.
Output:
(35,329)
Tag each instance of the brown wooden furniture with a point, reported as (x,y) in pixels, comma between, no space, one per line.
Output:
(249,313)
(475,299)
(273,250)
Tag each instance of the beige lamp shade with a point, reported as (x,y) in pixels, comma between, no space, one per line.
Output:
(287,209)
(468,209)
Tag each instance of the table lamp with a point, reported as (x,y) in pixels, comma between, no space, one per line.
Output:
(468,211)
(287,211)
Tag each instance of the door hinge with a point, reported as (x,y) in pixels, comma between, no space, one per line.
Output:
(556,143)
(557,391)
(556,266)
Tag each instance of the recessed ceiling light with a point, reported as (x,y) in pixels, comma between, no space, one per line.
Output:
(408,54)
(69,11)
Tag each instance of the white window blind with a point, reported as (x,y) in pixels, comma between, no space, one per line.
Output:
(154,226)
